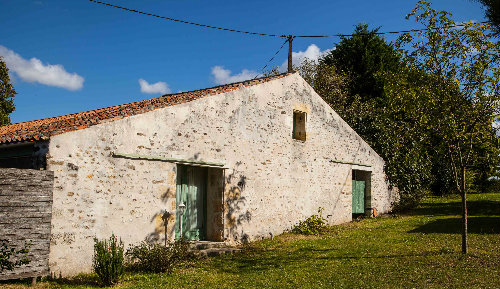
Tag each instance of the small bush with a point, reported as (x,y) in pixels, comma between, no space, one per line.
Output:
(156,258)
(108,260)
(408,201)
(313,225)
(11,258)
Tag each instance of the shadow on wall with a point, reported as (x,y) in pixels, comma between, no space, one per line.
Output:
(162,220)
(236,215)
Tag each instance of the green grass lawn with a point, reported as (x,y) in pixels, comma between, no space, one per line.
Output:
(417,250)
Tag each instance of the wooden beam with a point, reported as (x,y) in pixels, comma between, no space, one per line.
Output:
(171,160)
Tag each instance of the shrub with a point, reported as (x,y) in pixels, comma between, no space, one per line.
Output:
(108,260)
(407,202)
(11,258)
(313,225)
(156,258)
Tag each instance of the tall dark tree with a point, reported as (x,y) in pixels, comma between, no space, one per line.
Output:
(492,11)
(7,94)
(362,57)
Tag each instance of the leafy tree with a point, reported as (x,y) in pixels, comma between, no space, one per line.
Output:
(352,79)
(7,94)
(360,58)
(461,95)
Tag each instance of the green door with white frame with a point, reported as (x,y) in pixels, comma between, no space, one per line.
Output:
(191,191)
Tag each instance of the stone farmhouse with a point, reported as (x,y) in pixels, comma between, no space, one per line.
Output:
(247,160)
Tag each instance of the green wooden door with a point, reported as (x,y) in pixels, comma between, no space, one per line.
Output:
(191,190)
(358,197)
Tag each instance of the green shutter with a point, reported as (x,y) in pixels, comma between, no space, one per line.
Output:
(191,190)
(358,197)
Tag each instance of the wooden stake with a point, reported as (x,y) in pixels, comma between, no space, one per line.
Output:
(290,66)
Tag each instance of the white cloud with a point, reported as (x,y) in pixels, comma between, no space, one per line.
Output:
(223,76)
(312,52)
(158,87)
(33,70)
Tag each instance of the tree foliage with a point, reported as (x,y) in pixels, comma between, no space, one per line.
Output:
(361,57)
(352,79)
(7,94)
(461,95)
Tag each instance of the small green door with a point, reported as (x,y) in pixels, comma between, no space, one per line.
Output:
(191,190)
(358,197)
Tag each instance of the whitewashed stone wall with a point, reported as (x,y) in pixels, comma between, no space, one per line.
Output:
(272,180)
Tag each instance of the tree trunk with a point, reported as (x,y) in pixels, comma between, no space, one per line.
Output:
(463,193)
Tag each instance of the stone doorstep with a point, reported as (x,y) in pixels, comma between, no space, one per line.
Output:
(210,249)
(217,251)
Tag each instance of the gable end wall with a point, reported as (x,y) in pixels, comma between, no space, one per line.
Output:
(271,183)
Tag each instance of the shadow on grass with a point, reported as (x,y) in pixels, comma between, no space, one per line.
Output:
(79,280)
(22,281)
(474,208)
(476,225)
(88,280)
(258,261)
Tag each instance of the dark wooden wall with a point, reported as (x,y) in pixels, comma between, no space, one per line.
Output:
(25,215)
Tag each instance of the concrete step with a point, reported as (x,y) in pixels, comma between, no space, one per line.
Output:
(204,245)
(217,251)
(210,249)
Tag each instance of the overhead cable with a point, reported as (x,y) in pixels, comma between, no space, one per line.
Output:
(272,58)
(186,22)
(276,35)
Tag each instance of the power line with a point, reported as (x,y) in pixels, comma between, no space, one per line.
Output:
(186,22)
(272,58)
(289,37)
(389,32)
(275,35)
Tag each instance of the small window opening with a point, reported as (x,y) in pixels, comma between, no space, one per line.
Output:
(299,125)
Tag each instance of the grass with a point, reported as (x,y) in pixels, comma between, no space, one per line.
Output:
(417,250)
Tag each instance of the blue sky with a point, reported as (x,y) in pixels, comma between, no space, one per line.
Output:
(73,56)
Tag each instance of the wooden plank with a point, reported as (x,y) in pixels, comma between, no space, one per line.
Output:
(42,208)
(29,197)
(19,275)
(25,217)
(13,202)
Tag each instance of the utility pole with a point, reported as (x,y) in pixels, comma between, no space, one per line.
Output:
(290,40)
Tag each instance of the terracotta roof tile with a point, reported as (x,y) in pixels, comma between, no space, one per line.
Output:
(42,129)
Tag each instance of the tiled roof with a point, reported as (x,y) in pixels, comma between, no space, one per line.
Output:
(42,129)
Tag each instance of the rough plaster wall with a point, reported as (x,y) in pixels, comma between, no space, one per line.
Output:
(273,181)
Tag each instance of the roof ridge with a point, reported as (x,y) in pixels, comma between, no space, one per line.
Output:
(268,78)
(45,127)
